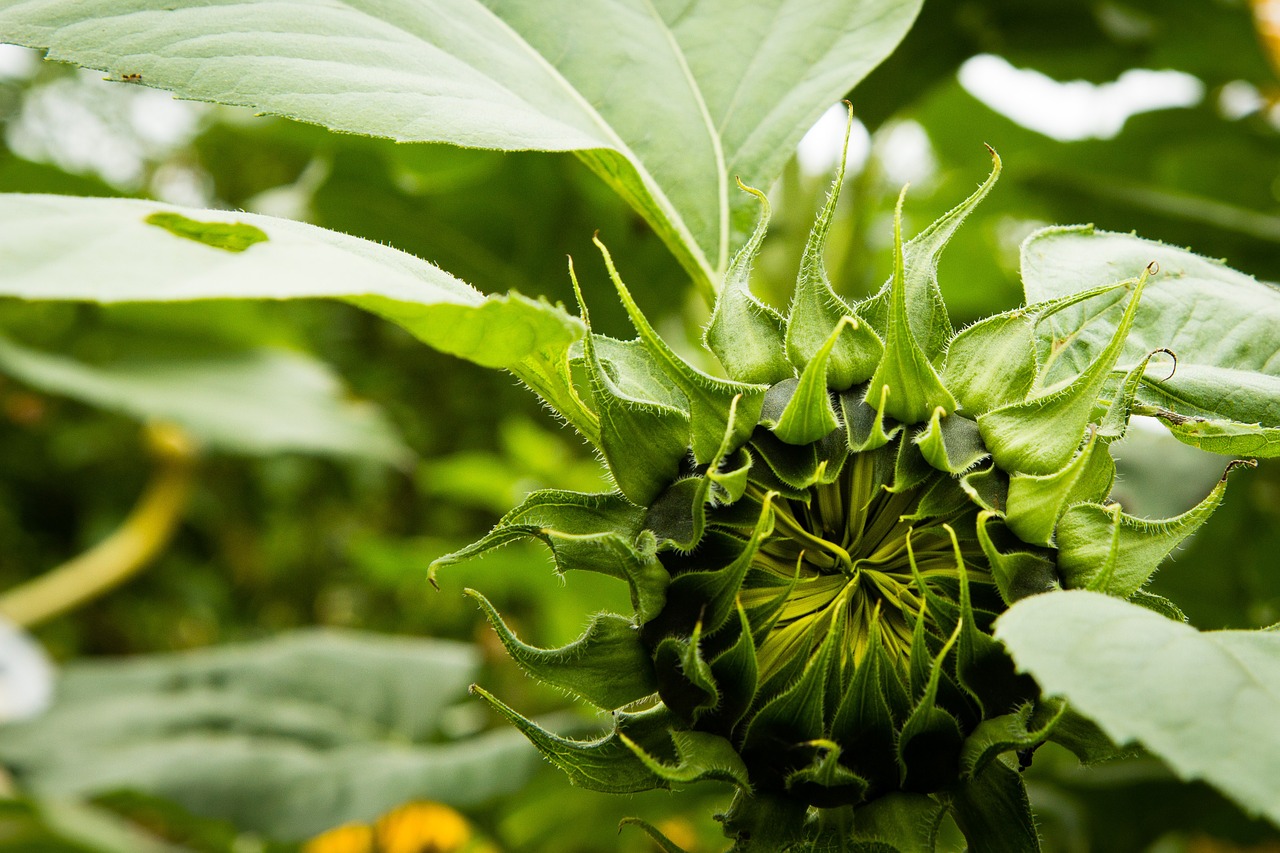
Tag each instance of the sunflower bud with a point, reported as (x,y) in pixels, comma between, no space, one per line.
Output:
(817,547)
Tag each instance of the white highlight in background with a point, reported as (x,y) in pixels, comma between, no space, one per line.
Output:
(1078,109)
(819,150)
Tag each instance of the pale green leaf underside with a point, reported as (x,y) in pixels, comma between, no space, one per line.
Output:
(102,250)
(1207,703)
(1222,324)
(670,99)
(286,737)
(257,401)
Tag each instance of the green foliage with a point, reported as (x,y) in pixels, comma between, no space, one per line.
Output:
(286,737)
(1204,702)
(499,77)
(229,398)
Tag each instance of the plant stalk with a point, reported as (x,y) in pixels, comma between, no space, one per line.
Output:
(142,536)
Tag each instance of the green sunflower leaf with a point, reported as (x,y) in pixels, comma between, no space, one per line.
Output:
(1036,502)
(685,679)
(800,712)
(595,533)
(865,424)
(1205,703)
(732,92)
(710,400)
(1025,728)
(809,414)
(738,672)
(715,592)
(643,439)
(1019,571)
(284,737)
(1220,323)
(991,363)
(951,443)
(930,741)
(864,719)
(104,250)
(255,400)
(826,776)
(994,362)
(1226,437)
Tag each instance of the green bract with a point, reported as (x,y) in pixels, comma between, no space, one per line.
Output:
(817,547)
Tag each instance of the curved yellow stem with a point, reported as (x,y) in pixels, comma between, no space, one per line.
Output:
(132,546)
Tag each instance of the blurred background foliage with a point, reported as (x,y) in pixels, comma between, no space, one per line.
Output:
(275,542)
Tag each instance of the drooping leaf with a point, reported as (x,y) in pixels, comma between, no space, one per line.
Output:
(1206,703)
(285,737)
(733,92)
(103,250)
(243,400)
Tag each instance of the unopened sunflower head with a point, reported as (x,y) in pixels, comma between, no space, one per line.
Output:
(818,544)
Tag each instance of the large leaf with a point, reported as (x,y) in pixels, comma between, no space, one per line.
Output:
(1207,703)
(250,401)
(106,250)
(285,737)
(119,250)
(1221,324)
(667,101)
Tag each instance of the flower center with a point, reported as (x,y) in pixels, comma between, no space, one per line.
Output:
(861,556)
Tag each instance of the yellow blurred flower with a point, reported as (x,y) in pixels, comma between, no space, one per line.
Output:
(422,828)
(348,838)
(411,828)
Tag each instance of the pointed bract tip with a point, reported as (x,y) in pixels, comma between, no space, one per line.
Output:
(577,293)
